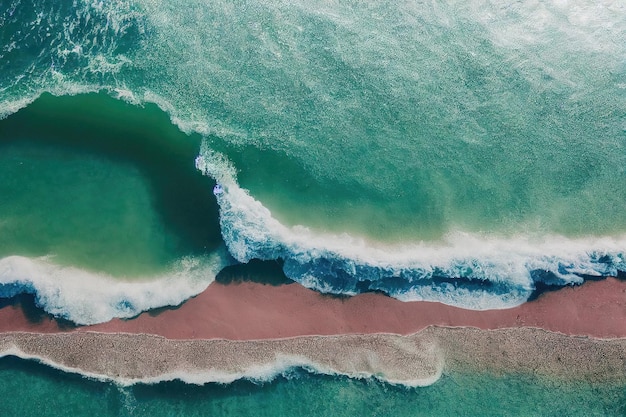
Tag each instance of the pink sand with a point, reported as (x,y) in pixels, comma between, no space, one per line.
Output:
(250,311)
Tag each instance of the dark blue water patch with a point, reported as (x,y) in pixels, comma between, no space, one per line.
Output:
(257,271)
(8,291)
(333,273)
(546,278)
(28,303)
(155,312)
(546,281)
(542,288)
(485,282)
(341,275)
(125,306)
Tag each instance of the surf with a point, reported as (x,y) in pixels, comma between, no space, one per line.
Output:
(103,217)
(471,271)
(480,162)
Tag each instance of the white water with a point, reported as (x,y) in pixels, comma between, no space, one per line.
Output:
(86,297)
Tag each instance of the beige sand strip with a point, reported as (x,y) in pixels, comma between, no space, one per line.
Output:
(129,358)
(418,359)
(532,351)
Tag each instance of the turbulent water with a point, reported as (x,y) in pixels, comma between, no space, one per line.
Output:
(468,152)
(465,152)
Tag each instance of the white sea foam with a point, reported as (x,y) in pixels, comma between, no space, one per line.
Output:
(86,297)
(10,106)
(325,262)
(535,36)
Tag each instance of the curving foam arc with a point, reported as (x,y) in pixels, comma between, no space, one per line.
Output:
(464,270)
(85,297)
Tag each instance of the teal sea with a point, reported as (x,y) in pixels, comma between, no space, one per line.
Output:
(52,393)
(466,152)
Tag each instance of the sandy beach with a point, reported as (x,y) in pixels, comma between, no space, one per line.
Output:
(414,360)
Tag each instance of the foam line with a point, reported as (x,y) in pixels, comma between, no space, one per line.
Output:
(96,46)
(85,297)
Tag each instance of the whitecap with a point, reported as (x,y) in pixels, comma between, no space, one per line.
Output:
(86,297)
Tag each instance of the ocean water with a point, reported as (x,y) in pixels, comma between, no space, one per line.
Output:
(467,152)
(52,393)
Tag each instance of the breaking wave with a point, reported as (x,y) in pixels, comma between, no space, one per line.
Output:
(85,297)
(508,88)
(470,271)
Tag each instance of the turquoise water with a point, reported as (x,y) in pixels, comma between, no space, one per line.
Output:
(466,116)
(466,153)
(86,180)
(471,153)
(52,393)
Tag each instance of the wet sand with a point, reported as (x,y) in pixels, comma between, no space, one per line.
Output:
(248,311)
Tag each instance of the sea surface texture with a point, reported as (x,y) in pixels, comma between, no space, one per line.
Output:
(466,152)
(462,152)
(47,392)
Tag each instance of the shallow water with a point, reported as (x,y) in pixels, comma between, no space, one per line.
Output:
(100,184)
(466,153)
(98,194)
(32,389)
(393,121)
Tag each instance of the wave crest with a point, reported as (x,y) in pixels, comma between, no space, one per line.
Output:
(85,297)
(464,270)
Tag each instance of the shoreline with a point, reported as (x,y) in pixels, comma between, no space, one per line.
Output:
(255,311)
(251,311)
(257,332)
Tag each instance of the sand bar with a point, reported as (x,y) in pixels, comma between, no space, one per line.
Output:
(413,360)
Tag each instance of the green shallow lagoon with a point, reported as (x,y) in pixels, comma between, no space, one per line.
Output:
(29,389)
(100,184)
